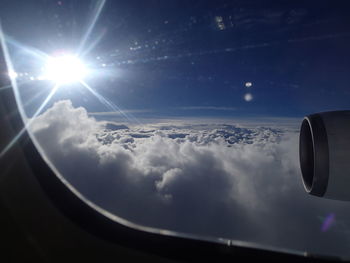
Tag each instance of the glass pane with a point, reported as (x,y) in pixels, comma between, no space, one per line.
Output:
(185,115)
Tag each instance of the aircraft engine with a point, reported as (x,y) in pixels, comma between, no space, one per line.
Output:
(324,152)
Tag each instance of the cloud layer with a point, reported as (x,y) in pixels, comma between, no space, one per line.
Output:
(215,180)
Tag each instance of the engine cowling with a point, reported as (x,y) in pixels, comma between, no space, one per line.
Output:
(324,151)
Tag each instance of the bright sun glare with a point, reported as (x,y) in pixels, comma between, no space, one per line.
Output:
(64,69)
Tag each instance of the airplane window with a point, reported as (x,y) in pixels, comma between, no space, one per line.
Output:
(185,115)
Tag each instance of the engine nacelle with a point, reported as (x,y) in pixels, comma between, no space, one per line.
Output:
(324,151)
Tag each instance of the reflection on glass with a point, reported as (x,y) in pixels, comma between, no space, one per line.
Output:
(145,110)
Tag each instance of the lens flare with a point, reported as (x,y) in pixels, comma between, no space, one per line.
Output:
(64,69)
(248,97)
(328,222)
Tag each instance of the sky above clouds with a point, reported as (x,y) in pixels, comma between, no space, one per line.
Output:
(197,58)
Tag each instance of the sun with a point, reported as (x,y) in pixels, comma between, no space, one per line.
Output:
(64,69)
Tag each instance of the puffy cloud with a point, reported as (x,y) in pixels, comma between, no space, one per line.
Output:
(209,179)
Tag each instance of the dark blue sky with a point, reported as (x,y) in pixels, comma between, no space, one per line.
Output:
(193,58)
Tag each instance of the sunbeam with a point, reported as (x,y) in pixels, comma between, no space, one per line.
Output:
(46,101)
(9,86)
(32,99)
(30,50)
(28,122)
(98,9)
(107,103)
(17,96)
(10,68)
(93,44)
(62,70)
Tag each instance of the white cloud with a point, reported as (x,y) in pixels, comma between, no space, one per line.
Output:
(211,179)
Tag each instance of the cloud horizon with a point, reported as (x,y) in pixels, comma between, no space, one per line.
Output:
(219,180)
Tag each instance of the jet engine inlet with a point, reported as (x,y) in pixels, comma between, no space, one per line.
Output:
(324,152)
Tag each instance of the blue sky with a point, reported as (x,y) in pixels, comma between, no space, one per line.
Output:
(166,57)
